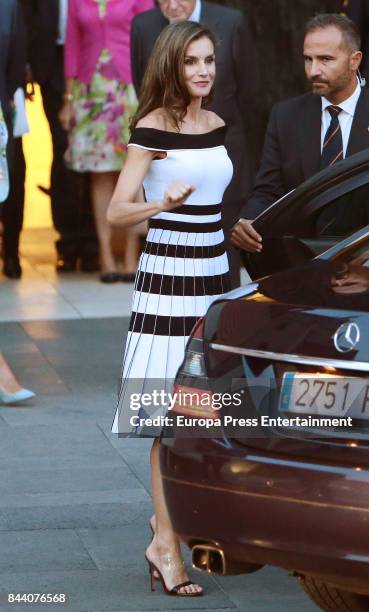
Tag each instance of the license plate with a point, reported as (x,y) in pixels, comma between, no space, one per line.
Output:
(324,394)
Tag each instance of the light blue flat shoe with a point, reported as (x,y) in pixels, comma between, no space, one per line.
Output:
(14,398)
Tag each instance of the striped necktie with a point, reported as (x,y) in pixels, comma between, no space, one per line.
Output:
(332,147)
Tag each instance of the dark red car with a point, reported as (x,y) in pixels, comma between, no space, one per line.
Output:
(279,475)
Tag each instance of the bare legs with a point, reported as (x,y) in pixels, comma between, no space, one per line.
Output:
(164,550)
(8,382)
(102,188)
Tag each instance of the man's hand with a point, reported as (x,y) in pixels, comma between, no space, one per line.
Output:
(245,237)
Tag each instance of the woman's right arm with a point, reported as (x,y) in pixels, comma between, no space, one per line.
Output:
(124,210)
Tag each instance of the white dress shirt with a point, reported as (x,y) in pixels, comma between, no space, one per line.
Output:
(196,12)
(345,117)
(62,26)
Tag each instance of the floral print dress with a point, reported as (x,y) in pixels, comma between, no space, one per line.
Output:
(102,112)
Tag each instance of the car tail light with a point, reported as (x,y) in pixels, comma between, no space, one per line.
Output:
(194,364)
(191,387)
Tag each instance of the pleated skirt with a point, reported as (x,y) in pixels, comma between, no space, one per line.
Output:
(180,273)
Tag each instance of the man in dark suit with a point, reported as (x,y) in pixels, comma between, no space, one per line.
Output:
(12,55)
(315,130)
(70,202)
(235,96)
(12,76)
(358,12)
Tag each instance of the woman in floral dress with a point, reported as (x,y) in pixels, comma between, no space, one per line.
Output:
(99,102)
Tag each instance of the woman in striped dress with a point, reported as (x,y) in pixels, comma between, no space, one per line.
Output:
(175,175)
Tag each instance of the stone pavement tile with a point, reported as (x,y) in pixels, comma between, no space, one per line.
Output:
(52,412)
(13,336)
(50,331)
(46,447)
(92,515)
(108,303)
(34,301)
(33,369)
(25,354)
(41,378)
(123,548)
(81,343)
(89,296)
(91,377)
(3,423)
(119,548)
(276,604)
(17,347)
(60,549)
(134,496)
(20,481)
(105,590)
(136,454)
(268,589)
(77,410)
(80,352)
(84,292)
(3,523)
(80,357)
(47,411)
(72,331)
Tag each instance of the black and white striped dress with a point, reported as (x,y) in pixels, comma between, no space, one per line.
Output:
(183,268)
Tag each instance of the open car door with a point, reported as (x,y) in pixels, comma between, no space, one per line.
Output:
(321,212)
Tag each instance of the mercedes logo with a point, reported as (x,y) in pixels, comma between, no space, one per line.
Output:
(346,337)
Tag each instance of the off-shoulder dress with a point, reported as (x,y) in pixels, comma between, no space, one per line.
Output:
(182,269)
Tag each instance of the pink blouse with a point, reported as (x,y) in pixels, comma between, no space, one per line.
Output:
(88,33)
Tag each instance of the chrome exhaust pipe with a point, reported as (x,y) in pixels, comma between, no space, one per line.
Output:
(208,558)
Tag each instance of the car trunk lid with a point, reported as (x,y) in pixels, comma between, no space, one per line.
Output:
(274,344)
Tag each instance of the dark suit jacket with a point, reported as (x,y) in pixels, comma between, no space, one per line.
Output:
(236,82)
(292,147)
(358,11)
(42,18)
(12,53)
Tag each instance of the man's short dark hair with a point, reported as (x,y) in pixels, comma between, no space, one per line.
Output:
(349,31)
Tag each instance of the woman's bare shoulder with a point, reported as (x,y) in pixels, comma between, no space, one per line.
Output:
(213,120)
(156,119)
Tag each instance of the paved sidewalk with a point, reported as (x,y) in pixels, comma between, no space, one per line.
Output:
(75,500)
(42,294)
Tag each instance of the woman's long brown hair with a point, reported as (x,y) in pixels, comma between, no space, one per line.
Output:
(163,85)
